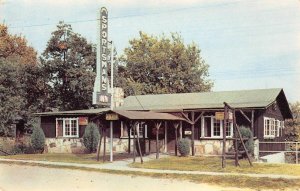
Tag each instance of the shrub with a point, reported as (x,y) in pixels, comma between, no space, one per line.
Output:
(18,149)
(91,137)
(183,146)
(246,133)
(37,140)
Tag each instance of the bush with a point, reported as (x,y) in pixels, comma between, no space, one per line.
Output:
(37,140)
(183,146)
(21,148)
(246,133)
(91,137)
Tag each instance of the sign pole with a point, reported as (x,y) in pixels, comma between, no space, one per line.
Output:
(111,100)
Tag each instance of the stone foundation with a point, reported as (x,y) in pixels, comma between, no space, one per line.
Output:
(75,145)
(211,147)
(64,145)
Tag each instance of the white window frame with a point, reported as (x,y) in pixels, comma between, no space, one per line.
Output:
(138,130)
(64,126)
(131,132)
(212,118)
(275,128)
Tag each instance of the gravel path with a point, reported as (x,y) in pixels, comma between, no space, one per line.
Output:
(35,178)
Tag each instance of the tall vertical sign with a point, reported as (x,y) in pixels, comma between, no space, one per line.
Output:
(100,94)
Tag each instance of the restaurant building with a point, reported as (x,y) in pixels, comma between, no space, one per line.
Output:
(167,117)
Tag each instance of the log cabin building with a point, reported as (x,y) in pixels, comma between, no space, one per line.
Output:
(191,115)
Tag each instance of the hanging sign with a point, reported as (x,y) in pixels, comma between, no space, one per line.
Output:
(112,117)
(188,132)
(83,120)
(219,115)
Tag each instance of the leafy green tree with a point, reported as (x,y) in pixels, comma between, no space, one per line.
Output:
(22,84)
(91,137)
(37,139)
(11,99)
(69,63)
(156,65)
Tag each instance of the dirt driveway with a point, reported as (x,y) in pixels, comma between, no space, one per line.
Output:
(20,177)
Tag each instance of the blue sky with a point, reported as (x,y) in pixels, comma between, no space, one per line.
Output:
(248,44)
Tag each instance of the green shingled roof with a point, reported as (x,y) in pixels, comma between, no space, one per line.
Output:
(259,98)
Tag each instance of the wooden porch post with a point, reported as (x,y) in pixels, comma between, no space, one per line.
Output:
(134,141)
(193,133)
(144,139)
(129,137)
(104,143)
(138,141)
(166,136)
(176,139)
(224,138)
(157,126)
(252,122)
(99,142)
(236,154)
(180,130)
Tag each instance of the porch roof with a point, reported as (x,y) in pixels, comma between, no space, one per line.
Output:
(147,115)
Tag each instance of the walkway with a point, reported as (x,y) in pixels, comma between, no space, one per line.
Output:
(122,165)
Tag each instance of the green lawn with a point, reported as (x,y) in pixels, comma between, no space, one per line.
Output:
(72,158)
(214,164)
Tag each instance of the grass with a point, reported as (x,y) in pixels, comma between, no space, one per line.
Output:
(213,164)
(71,158)
(224,181)
(184,163)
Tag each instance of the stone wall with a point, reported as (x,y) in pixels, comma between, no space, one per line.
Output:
(64,145)
(211,147)
(75,145)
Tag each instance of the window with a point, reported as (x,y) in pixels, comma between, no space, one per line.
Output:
(210,127)
(216,128)
(229,129)
(277,128)
(267,128)
(67,127)
(272,127)
(140,126)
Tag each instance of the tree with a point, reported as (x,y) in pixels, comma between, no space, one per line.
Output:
(163,65)
(69,63)
(91,137)
(22,84)
(11,99)
(292,126)
(15,47)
